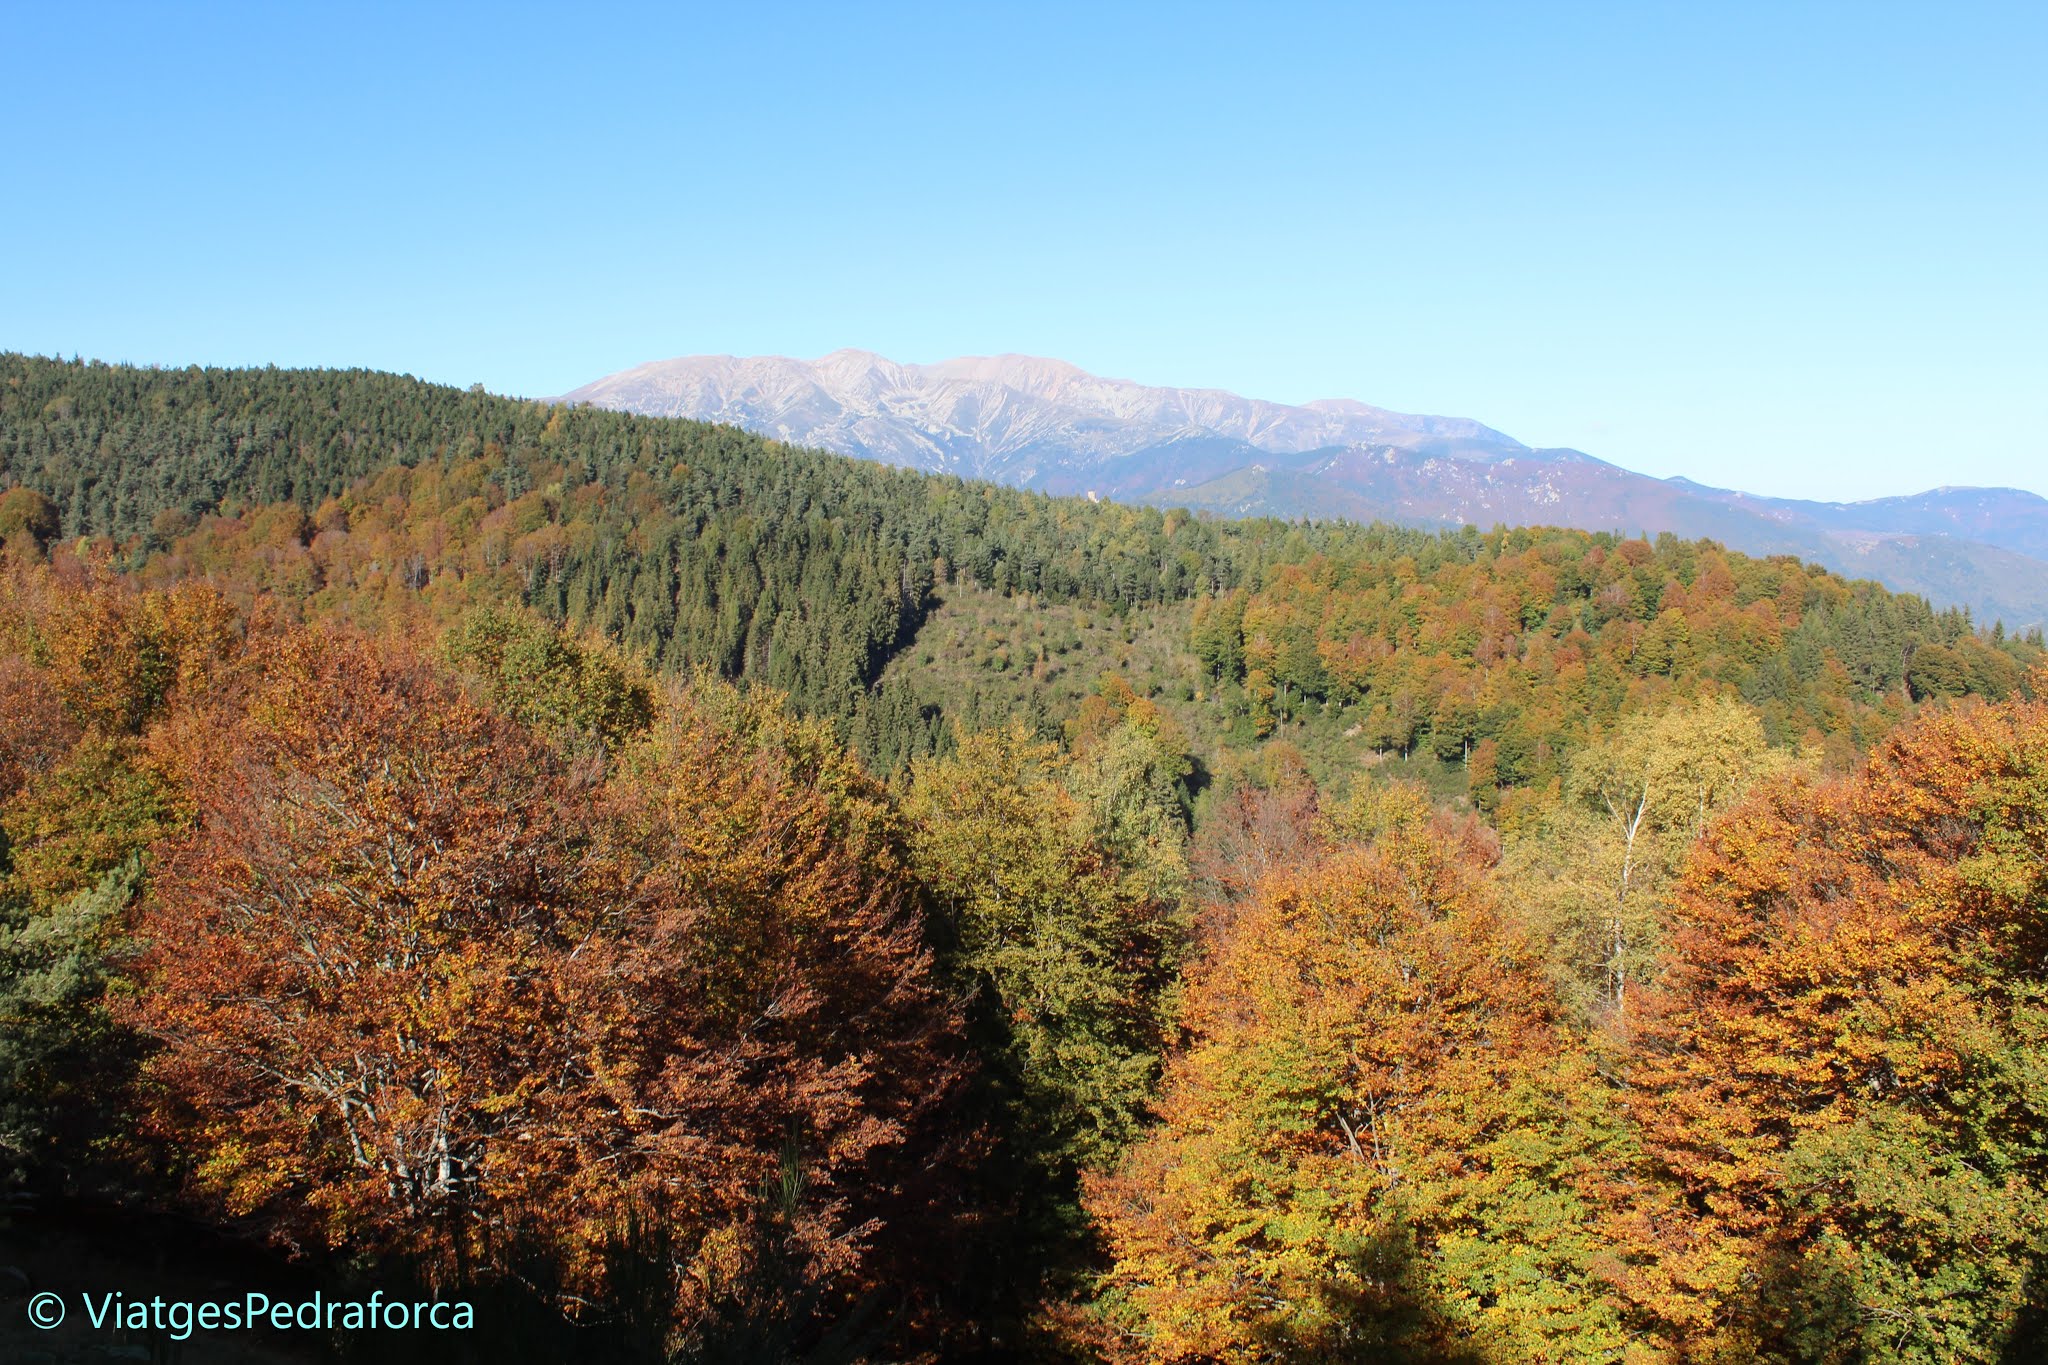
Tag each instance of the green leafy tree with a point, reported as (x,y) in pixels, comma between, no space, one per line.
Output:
(578,694)
(1594,877)
(1071,952)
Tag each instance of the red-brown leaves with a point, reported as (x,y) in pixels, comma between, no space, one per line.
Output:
(420,990)
(34,731)
(353,958)
(760,944)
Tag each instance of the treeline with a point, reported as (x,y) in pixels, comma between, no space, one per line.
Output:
(379,498)
(1508,651)
(698,545)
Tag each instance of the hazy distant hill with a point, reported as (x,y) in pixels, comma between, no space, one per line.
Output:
(1047,425)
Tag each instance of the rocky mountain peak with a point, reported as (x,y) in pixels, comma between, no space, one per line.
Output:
(1047,424)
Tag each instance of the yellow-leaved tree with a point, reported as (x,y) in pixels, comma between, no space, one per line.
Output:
(1592,879)
(1379,1144)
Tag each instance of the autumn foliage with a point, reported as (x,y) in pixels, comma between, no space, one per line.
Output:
(419,986)
(1842,1080)
(1375,1145)
(353,906)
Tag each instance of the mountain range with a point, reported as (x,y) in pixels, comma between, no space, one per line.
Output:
(1048,425)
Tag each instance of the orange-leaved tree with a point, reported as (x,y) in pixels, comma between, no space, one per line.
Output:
(421,988)
(1841,1085)
(354,960)
(90,669)
(1379,1144)
(763,1010)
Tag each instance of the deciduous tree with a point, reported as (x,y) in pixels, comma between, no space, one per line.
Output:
(420,990)
(1379,1144)
(1842,1083)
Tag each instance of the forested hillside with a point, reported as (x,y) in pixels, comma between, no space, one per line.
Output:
(697,544)
(379,497)
(707,901)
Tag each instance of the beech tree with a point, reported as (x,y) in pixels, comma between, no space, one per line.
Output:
(1841,1086)
(28,521)
(761,1007)
(352,961)
(1070,950)
(1379,1144)
(420,989)
(578,696)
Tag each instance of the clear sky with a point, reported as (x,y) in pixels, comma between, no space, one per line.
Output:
(1801,249)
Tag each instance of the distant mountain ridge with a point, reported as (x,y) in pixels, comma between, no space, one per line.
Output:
(1048,425)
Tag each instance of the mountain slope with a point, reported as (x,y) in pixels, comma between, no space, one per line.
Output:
(1047,425)
(1012,418)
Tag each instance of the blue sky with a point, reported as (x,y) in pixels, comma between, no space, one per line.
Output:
(1792,248)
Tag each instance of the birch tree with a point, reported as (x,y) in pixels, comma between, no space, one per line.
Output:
(1593,879)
